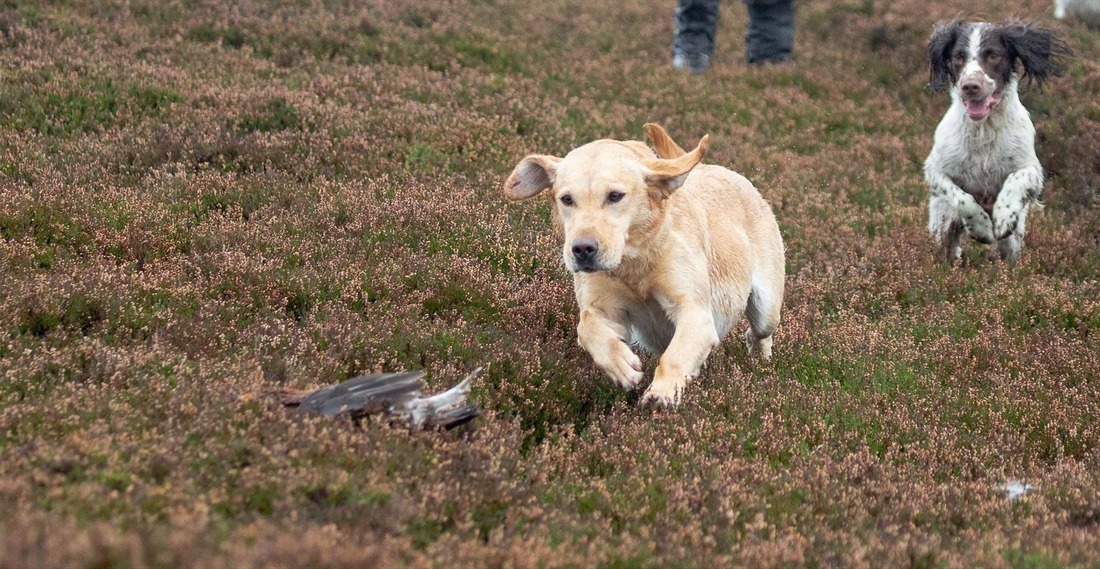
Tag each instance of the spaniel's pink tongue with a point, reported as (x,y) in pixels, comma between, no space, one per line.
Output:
(978,109)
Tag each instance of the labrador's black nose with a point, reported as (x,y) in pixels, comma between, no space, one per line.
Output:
(585,250)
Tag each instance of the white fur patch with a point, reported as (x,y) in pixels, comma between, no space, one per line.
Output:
(973,71)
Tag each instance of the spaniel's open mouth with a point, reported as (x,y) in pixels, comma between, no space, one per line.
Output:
(979,109)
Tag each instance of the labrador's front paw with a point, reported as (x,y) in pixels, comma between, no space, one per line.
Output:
(621,364)
(663,394)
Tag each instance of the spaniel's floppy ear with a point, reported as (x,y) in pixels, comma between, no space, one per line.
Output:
(940,45)
(664,176)
(532,175)
(1042,51)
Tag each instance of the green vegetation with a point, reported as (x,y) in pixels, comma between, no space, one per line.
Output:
(201,204)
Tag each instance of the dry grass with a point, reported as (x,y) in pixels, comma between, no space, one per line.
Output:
(200,201)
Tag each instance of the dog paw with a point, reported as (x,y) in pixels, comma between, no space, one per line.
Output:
(758,347)
(663,395)
(623,366)
(1007,220)
(977,223)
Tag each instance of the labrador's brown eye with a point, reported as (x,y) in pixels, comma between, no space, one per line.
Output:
(567,199)
(614,197)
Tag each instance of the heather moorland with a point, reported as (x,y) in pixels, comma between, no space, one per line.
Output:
(202,202)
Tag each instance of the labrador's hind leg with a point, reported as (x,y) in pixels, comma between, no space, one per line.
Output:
(762,311)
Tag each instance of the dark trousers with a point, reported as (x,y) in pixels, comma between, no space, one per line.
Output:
(768,37)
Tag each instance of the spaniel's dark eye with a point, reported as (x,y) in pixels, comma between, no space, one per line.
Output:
(567,199)
(615,196)
(960,57)
(993,57)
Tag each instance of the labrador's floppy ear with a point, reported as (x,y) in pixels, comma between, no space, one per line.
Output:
(662,142)
(532,175)
(664,176)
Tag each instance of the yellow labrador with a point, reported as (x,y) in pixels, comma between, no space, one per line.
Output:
(667,254)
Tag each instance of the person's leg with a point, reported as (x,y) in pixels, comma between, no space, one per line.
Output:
(693,42)
(769,35)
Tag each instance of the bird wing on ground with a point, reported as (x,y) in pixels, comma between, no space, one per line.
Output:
(373,393)
(397,396)
(447,409)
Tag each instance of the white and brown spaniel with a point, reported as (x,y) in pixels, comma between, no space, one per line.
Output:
(982,172)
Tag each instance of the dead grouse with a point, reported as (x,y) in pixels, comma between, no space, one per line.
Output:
(396,396)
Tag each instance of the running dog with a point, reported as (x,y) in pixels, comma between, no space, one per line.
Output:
(982,172)
(667,254)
